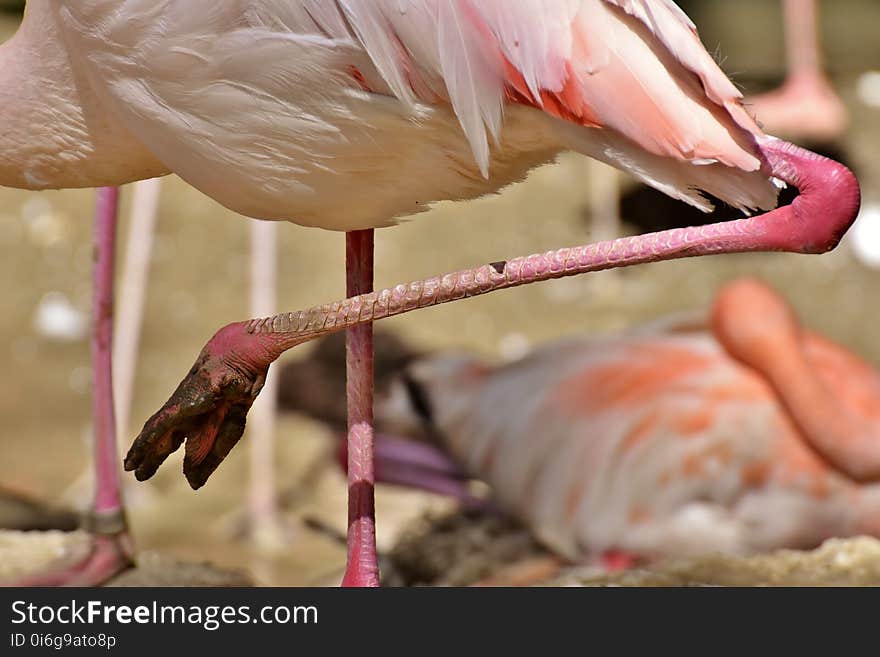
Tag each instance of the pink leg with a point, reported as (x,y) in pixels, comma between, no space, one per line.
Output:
(265,525)
(108,498)
(132,296)
(111,547)
(363,564)
(209,406)
(806,105)
(801,18)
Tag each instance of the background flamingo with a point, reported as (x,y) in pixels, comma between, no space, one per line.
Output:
(686,437)
(133,296)
(435,106)
(265,528)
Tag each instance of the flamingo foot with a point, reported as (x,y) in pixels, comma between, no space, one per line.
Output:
(617,561)
(207,410)
(107,556)
(805,106)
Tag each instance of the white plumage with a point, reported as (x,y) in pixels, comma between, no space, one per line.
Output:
(349,114)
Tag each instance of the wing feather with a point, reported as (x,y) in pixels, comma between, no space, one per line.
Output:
(636,69)
(474,79)
(629,80)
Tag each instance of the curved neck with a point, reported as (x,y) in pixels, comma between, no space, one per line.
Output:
(758,328)
(54,131)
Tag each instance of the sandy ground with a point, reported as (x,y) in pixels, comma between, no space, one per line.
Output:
(199,279)
(853,562)
(485,550)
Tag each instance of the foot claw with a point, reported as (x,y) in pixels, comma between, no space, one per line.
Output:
(208,411)
(224,438)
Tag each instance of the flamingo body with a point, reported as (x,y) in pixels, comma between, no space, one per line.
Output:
(272,107)
(654,443)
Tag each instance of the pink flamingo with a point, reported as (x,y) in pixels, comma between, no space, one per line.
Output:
(348,114)
(740,433)
(806,106)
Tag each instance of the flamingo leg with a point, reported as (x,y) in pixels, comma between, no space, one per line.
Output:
(363,563)
(409,464)
(265,525)
(211,403)
(803,52)
(111,548)
(108,495)
(132,296)
(806,105)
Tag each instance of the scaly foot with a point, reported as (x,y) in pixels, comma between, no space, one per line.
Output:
(207,410)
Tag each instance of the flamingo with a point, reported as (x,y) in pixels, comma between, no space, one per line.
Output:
(736,432)
(806,105)
(743,433)
(348,115)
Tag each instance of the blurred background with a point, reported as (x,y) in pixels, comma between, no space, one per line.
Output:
(199,278)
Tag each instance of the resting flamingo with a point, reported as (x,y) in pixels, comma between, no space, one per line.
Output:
(737,432)
(349,114)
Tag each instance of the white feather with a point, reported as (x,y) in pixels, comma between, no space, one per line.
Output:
(272,106)
(473,77)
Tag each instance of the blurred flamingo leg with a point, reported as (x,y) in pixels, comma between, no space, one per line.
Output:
(806,106)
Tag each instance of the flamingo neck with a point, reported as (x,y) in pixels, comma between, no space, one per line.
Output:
(54,131)
(758,328)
